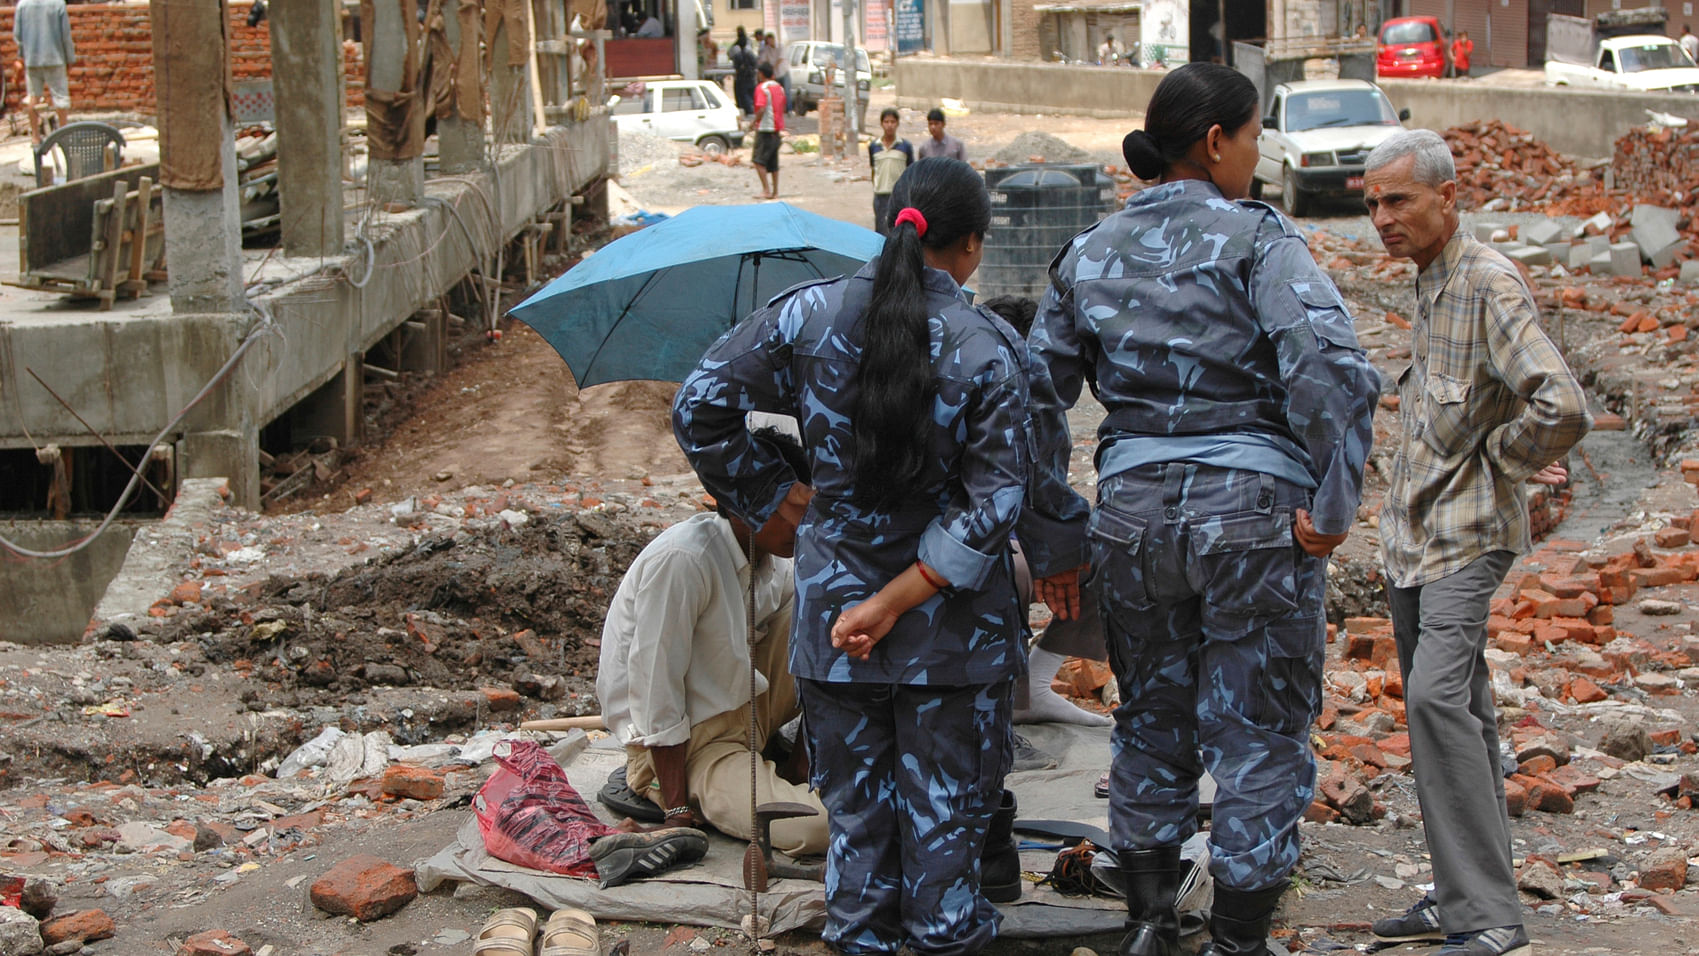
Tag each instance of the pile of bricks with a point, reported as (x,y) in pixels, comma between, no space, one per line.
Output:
(1658,165)
(1496,160)
(1552,633)
(114,68)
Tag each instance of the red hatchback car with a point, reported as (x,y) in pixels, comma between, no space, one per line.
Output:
(1410,46)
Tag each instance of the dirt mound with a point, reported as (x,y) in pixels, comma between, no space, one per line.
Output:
(485,605)
(1037,147)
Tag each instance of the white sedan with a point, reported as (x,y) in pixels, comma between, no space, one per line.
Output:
(690,111)
(1317,136)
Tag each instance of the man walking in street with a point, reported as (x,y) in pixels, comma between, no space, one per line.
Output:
(42,30)
(1689,42)
(1486,405)
(940,143)
(769,123)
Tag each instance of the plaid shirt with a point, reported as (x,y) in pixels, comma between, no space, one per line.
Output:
(1487,402)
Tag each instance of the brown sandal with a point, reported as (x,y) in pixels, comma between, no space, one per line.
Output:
(571,932)
(508,932)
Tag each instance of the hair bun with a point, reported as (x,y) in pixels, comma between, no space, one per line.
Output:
(1143,154)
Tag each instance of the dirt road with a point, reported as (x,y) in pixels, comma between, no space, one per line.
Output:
(136,771)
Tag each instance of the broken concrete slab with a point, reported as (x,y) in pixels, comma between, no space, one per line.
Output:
(1540,233)
(1484,231)
(1528,255)
(1624,259)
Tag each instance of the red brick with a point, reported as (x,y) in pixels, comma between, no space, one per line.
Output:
(1515,798)
(1671,538)
(1665,736)
(1666,870)
(1584,691)
(1534,766)
(188,592)
(86,925)
(1603,614)
(1515,643)
(412,782)
(1571,586)
(1319,812)
(1574,779)
(1655,577)
(214,942)
(499,699)
(364,887)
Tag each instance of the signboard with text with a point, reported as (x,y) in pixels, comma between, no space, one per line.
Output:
(910,25)
(793,20)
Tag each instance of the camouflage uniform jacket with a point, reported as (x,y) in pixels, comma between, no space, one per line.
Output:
(798,356)
(1194,318)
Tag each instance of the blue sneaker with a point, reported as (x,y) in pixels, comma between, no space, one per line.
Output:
(1498,941)
(1419,922)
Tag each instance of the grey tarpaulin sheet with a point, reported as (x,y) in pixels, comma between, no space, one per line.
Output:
(711,892)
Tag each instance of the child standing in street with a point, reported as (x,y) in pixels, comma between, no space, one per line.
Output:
(888,156)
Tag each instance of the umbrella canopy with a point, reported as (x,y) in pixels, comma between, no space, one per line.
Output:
(647,305)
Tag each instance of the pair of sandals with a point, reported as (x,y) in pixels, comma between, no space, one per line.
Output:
(513,932)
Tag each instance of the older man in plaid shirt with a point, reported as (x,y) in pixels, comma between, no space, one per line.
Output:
(1486,405)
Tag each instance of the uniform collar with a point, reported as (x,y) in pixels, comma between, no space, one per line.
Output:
(935,280)
(1189,188)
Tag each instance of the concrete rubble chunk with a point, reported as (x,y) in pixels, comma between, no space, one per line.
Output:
(1690,271)
(1541,233)
(84,925)
(1540,879)
(1484,230)
(1658,608)
(1528,255)
(20,934)
(214,942)
(1624,259)
(1626,741)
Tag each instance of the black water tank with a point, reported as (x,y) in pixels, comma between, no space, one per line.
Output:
(1035,209)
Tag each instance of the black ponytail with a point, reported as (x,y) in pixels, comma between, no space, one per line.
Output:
(1187,102)
(893,407)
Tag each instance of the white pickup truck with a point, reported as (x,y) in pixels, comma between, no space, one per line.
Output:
(1617,51)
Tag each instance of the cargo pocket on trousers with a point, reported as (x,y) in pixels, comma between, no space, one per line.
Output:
(1250,563)
(1289,695)
(1118,561)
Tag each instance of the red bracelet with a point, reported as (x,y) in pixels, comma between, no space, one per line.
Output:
(926,576)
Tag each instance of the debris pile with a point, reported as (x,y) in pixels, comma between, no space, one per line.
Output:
(1497,161)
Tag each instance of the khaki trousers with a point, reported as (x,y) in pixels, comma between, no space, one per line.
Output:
(717,765)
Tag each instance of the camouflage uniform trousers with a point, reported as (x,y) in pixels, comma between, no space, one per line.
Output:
(910,775)
(1216,634)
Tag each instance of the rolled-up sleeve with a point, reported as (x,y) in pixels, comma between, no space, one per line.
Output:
(971,536)
(1554,416)
(1331,388)
(674,589)
(745,371)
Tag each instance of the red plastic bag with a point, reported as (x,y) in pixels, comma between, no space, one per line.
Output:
(530,815)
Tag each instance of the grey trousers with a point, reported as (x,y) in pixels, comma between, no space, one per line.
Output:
(1441,630)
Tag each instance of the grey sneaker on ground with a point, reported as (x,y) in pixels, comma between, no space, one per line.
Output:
(623,857)
(1420,921)
(1498,941)
(1028,757)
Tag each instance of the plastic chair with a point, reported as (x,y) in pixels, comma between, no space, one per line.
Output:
(83,150)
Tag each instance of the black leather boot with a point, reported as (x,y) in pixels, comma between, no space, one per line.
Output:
(1000,860)
(1152,878)
(1238,921)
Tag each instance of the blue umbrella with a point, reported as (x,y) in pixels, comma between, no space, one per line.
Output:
(647,305)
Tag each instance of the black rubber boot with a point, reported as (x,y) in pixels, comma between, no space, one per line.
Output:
(1238,921)
(1000,860)
(1152,878)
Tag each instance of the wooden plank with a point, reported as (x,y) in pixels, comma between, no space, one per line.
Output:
(110,253)
(59,220)
(138,242)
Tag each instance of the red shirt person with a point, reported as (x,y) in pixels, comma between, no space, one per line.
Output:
(1461,47)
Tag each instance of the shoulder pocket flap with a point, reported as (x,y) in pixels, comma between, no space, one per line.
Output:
(1327,313)
(1244,532)
(1447,390)
(1108,524)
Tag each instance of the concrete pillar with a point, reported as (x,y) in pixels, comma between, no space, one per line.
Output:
(203,230)
(232,454)
(306,58)
(460,143)
(510,93)
(389,52)
(333,410)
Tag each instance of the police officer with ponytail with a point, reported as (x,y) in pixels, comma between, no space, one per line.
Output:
(1229,467)
(913,406)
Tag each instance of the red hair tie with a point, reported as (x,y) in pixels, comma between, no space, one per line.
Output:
(911,214)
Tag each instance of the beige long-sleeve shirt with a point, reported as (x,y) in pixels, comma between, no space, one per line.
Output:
(1487,401)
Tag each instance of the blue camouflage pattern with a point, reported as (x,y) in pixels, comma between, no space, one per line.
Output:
(1216,635)
(909,809)
(1192,316)
(798,357)
(1236,394)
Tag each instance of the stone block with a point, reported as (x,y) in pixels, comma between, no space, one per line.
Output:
(1599,263)
(1542,232)
(1663,256)
(1527,255)
(85,925)
(1653,229)
(1484,230)
(1625,259)
(364,887)
(1690,271)
(1346,794)
(1626,741)
(1584,691)
(1597,244)
(1540,879)
(1559,251)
